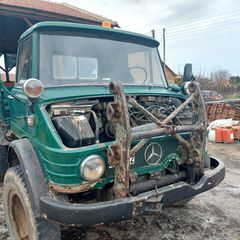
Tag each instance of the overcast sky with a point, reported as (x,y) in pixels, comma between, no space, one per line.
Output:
(204,32)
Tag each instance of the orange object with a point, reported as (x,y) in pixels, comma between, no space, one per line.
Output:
(106,24)
(236,131)
(218,135)
(227,135)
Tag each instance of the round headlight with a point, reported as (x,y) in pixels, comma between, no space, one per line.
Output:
(33,88)
(92,168)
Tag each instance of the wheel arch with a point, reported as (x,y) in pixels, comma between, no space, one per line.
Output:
(21,152)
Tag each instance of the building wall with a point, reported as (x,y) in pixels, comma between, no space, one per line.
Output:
(170,75)
(11,77)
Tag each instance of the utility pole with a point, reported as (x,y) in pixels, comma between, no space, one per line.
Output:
(153,33)
(164,47)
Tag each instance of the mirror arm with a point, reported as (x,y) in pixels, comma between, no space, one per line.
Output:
(31,105)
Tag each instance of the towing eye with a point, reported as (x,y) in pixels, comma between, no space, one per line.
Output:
(119,154)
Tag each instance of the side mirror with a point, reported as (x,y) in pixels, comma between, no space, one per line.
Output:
(188,75)
(33,88)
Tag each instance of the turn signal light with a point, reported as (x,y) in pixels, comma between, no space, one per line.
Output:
(106,24)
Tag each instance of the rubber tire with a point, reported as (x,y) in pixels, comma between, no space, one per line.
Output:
(15,187)
(3,162)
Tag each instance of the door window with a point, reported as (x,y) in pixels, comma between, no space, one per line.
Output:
(24,61)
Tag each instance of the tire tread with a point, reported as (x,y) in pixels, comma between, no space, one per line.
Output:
(43,230)
(3,162)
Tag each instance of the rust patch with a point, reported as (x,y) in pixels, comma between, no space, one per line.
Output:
(114,112)
(114,154)
(119,153)
(198,138)
(71,189)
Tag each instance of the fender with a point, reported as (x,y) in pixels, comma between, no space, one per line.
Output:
(37,186)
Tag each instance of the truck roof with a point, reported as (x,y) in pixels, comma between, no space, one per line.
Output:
(77,27)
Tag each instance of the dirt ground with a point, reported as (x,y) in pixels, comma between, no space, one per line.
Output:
(211,215)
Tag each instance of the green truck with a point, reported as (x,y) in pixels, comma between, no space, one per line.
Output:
(92,133)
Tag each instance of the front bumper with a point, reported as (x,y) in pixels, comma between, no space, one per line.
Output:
(126,208)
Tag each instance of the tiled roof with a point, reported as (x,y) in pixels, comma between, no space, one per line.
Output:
(52,7)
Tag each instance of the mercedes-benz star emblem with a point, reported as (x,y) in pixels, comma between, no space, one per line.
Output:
(153,153)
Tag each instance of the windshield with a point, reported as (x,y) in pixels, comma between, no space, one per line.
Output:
(74,60)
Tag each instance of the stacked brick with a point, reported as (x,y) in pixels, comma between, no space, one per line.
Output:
(223,111)
(237,113)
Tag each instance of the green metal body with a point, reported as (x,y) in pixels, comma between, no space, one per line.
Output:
(61,165)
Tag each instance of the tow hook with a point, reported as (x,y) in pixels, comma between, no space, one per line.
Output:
(153,204)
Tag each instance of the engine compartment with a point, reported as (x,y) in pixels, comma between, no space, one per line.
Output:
(84,122)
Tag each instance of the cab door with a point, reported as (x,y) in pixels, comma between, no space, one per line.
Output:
(18,101)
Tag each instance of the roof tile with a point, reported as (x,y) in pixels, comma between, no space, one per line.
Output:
(59,8)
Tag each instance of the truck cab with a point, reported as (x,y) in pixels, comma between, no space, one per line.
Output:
(93,133)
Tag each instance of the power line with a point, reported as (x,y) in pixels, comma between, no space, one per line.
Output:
(148,33)
(228,26)
(180,35)
(159,38)
(212,28)
(203,19)
(192,27)
(205,25)
(197,32)
(206,21)
(204,28)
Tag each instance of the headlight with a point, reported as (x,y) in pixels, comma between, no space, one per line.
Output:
(33,88)
(92,168)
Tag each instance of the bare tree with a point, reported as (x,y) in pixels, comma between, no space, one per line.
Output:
(203,79)
(221,75)
(220,81)
(221,78)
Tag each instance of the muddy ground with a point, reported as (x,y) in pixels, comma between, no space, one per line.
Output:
(211,215)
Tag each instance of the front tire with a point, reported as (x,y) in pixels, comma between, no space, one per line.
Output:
(19,214)
(3,161)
